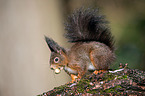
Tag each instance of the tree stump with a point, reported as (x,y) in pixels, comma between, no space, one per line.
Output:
(123,81)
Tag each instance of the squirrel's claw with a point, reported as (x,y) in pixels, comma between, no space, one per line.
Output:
(98,71)
(73,77)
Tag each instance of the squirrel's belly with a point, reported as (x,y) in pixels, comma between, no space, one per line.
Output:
(69,70)
(91,67)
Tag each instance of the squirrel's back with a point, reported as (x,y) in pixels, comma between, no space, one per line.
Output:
(87,25)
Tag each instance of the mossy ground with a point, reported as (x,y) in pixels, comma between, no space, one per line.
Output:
(123,81)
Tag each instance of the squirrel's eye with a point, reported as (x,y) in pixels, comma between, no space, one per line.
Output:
(56,59)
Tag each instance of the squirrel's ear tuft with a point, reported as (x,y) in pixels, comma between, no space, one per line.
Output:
(53,46)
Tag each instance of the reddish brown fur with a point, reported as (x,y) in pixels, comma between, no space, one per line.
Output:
(95,53)
(93,48)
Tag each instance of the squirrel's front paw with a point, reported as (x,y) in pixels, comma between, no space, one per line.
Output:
(73,77)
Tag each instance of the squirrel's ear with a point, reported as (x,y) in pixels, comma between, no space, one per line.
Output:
(53,46)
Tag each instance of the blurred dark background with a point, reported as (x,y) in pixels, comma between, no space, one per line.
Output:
(127,22)
(24,54)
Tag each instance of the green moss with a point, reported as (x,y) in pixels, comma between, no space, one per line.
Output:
(80,89)
(122,77)
(93,91)
(110,90)
(60,89)
(108,77)
(113,89)
(82,85)
(125,76)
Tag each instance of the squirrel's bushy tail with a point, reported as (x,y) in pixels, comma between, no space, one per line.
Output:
(86,25)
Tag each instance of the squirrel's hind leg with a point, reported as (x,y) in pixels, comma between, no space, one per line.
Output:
(95,60)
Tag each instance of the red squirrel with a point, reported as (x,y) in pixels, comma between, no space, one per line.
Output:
(92,45)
